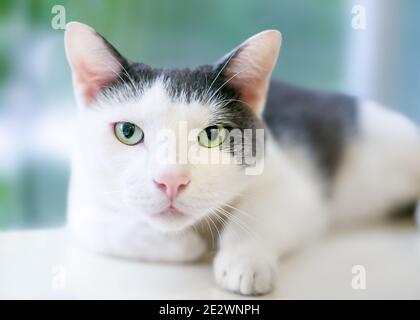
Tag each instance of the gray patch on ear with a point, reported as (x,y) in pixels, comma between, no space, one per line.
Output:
(322,122)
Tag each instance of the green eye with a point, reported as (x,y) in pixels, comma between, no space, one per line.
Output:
(128,133)
(212,136)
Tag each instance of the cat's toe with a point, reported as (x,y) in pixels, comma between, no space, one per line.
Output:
(246,274)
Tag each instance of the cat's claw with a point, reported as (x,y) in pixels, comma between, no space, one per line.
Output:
(246,273)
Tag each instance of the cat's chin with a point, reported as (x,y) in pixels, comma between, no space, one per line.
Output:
(171,219)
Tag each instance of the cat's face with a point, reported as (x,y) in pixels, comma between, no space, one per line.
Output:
(166,141)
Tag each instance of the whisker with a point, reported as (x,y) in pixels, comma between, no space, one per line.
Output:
(211,232)
(224,220)
(226,82)
(215,226)
(218,74)
(124,70)
(238,222)
(239,210)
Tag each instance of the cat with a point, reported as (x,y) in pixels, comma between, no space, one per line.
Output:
(328,160)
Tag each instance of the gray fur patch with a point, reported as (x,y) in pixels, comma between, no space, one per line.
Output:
(321,122)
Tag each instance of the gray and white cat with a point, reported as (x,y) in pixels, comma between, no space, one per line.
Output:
(327,160)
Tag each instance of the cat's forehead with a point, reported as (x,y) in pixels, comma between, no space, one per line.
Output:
(159,105)
(187,84)
(199,96)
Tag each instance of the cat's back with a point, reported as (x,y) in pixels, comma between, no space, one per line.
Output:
(319,121)
(372,152)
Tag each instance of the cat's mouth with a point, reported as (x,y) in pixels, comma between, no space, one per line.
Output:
(171,219)
(170,212)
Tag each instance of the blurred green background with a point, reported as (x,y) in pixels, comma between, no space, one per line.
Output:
(320,50)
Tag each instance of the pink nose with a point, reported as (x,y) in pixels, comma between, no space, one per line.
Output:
(172,183)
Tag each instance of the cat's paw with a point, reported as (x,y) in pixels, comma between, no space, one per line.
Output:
(244,272)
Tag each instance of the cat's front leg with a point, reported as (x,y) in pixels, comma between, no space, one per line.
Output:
(263,227)
(245,270)
(246,263)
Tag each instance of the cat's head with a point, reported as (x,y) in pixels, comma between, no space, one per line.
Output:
(153,135)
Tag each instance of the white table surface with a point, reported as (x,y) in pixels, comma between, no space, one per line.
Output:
(42,264)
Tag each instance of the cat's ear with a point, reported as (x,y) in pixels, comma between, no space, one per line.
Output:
(248,67)
(94,62)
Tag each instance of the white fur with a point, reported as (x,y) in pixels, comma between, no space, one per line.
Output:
(113,200)
(112,183)
(112,193)
(381,169)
